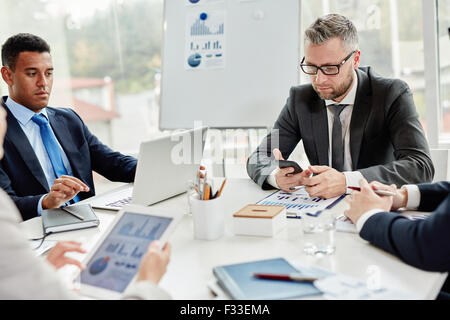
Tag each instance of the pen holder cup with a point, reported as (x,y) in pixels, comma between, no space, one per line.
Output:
(209,218)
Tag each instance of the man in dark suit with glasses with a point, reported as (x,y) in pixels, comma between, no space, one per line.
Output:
(354,123)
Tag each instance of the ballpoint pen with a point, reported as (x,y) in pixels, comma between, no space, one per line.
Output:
(286,277)
(379,192)
(72,213)
(297,188)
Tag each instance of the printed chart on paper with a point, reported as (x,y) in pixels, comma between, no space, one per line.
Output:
(298,202)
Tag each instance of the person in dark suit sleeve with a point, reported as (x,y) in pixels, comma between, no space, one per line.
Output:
(424,244)
(27,172)
(378,135)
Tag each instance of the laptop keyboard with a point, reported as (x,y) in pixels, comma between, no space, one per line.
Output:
(119,203)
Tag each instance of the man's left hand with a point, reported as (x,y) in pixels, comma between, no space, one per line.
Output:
(327,183)
(365,200)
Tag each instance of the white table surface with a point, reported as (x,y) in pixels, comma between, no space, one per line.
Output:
(192,261)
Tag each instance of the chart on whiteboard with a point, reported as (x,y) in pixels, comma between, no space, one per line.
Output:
(201,2)
(298,202)
(205,40)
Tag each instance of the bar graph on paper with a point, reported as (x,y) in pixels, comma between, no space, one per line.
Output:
(205,40)
(200,28)
(298,202)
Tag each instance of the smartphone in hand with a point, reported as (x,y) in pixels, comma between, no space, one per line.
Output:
(288,163)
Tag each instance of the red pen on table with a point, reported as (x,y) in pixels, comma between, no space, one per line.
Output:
(379,192)
(286,277)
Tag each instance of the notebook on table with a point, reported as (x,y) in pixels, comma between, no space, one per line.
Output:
(238,282)
(58,220)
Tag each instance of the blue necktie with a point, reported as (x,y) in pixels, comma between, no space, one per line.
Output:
(51,145)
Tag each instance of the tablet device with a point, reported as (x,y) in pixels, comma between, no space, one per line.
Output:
(114,261)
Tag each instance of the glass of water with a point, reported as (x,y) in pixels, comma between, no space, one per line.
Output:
(318,232)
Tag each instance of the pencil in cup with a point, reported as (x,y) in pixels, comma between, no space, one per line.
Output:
(219,192)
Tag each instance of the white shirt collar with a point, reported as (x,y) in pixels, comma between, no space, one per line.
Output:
(350,97)
(22,113)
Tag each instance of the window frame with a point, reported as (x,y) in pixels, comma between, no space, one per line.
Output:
(432,74)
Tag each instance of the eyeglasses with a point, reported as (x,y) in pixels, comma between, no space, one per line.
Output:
(329,70)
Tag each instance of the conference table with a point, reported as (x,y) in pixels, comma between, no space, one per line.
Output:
(190,272)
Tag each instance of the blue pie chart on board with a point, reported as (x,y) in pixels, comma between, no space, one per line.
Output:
(99,265)
(194,60)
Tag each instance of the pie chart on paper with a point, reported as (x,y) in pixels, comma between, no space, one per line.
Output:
(194,60)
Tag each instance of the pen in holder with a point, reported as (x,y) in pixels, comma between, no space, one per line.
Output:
(208,212)
(208,216)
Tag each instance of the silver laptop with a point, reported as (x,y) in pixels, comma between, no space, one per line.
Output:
(164,167)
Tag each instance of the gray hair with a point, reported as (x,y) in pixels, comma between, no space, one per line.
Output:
(333,26)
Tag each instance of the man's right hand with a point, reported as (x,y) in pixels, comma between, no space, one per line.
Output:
(64,188)
(400,195)
(285,177)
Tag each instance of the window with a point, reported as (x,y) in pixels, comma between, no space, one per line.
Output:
(443,14)
(390,38)
(107,58)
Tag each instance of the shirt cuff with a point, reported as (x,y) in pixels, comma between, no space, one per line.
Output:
(352,179)
(271,178)
(145,290)
(413,196)
(362,220)
(39,206)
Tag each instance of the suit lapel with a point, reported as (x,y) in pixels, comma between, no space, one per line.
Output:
(18,138)
(360,114)
(320,128)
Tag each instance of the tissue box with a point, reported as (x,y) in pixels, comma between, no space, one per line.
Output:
(259,220)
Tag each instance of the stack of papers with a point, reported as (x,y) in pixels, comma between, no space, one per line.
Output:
(344,224)
(42,248)
(341,287)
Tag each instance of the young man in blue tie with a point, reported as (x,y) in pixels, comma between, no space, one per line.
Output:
(49,152)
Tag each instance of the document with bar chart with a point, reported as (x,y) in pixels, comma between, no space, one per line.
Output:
(299,202)
(205,40)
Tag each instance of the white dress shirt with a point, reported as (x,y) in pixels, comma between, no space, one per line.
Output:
(412,204)
(351,177)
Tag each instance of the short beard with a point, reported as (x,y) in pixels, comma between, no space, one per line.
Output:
(339,91)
